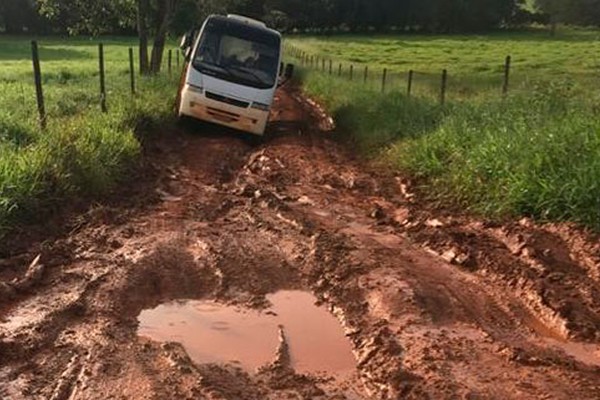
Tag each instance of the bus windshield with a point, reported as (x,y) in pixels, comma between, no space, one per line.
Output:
(238,53)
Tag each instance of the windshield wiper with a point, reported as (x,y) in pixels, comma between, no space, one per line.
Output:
(253,74)
(211,66)
(231,71)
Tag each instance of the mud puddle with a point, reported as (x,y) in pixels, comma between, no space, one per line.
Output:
(215,333)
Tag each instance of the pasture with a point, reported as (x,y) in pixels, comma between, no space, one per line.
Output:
(475,63)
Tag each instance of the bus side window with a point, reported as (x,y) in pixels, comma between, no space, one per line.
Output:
(208,48)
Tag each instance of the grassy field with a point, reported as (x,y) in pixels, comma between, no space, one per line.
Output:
(83,152)
(475,63)
(534,153)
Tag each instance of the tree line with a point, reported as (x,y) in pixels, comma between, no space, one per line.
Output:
(154,20)
(441,16)
(577,12)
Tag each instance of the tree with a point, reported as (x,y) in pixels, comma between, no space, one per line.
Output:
(577,12)
(187,15)
(89,16)
(581,12)
(164,15)
(153,18)
(143,11)
(556,10)
(18,16)
(95,17)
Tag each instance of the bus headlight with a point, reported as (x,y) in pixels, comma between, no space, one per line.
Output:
(195,89)
(260,106)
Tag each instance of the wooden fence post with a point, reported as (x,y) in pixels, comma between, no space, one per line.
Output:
(383,79)
(330,67)
(351,71)
(131,71)
(506,75)
(410,81)
(340,70)
(366,75)
(37,76)
(102,78)
(177,51)
(443,89)
(170,63)
(323,65)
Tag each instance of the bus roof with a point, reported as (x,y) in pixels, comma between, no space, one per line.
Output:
(245,21)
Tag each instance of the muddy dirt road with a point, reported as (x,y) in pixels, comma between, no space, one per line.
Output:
(224,248)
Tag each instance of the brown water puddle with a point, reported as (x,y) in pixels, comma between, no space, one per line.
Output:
(215,333)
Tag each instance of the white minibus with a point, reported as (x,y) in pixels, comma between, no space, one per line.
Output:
(233,69)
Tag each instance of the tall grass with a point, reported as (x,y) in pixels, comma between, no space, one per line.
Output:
(534,154)
(83,152)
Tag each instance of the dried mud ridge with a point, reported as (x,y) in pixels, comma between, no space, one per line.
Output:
(436,305)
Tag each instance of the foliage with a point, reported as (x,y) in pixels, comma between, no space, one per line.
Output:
(578,12)
(443,16)
(117,16)
(19,15)
(92,17)
(362,15)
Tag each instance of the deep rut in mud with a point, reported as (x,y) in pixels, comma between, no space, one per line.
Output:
(432,304)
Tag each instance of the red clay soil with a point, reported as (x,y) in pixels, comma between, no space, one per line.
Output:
(436,305)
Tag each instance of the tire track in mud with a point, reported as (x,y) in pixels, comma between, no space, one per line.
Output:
(436,305)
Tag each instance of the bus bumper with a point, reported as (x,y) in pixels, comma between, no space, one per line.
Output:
(197,105)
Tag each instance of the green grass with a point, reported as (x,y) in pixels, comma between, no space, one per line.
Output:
(474,62)
(83,152)
(535,153)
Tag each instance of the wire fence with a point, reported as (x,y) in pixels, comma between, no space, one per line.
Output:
(440,85)
(171,65)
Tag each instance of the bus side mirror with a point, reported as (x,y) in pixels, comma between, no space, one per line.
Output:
(185,45)
(185,42)
(187,54)
(289,71)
